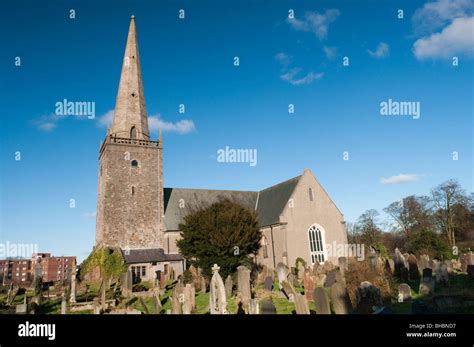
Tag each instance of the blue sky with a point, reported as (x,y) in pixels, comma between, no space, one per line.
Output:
(191,61)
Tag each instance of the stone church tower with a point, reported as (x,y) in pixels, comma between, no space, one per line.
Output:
(130,191)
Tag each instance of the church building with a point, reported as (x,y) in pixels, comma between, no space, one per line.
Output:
(137,214)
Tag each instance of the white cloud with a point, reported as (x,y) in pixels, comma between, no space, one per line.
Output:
(382,51)
(291,77)
(47,123)
(106,119)
(330,52)
(283,58)
(155,123)
(455,39)
(184,126)
(401,178)
(89,215)
(437,14)
(315,22)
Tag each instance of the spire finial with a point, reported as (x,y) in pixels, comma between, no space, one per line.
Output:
(133,16)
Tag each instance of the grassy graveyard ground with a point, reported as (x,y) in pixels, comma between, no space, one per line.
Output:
(459,286)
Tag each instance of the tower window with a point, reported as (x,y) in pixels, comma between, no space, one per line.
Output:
(310,191)
(133,190)
(134,163)
(133,133)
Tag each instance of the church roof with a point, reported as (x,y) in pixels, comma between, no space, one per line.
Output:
(149,255)
(269,203)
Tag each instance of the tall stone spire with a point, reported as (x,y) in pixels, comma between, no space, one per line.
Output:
(130,120)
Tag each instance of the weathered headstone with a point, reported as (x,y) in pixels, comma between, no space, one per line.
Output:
(368,296)
(288,290)
(427,272)
(404,292)
(228,286)
(423,262)
(427,286)
(268,284)
(330,279)
(308,284)
(253,307)
(282,272)
(340,299)
(63,304)
(301,305)
(442,273)
(189,303)
(321,301)
(404,274)
(466,259)
(177,298)
(390,266)
(343,265)
(328,266)
(414,272)
(127,284)
(268,307)
(300,267)
(243,284)
(21,309)
(399,262)
(217,297)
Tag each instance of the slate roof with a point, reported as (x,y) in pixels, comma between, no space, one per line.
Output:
(269,202)
(150,255)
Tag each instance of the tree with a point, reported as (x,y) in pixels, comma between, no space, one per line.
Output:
(411,214)
(366,228)
(428,242)
(224,233)
(445,197)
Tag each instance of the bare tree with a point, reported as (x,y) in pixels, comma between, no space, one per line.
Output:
(411,214)
(445,197)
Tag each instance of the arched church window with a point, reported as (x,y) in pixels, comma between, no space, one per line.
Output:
(133,133)
(310,191)
(134,163)
(316,244)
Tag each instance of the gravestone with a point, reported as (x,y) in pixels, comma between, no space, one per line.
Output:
(390,266)
(301,305)
(63,304)
(288,290)
(330,279)
(328,266)
(404,292)
(266,272)
(243,284)
(466,260)
(308,284)
(423,262)
(189,303)
(427,272)
(127,284)
(399,262)
(427,285)
(268,307)
(253,307)
(203,285)
(228,286)
(343,265)
(177,298)
(21,309)
(300,270)
(340,299)
(217,297)
(404,274)
(367,297)
(282,272)
(442,273)
(414,272)
(157,302)
(268,284)
(321,301)
(319,280)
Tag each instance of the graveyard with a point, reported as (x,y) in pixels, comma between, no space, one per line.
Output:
(402,284)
